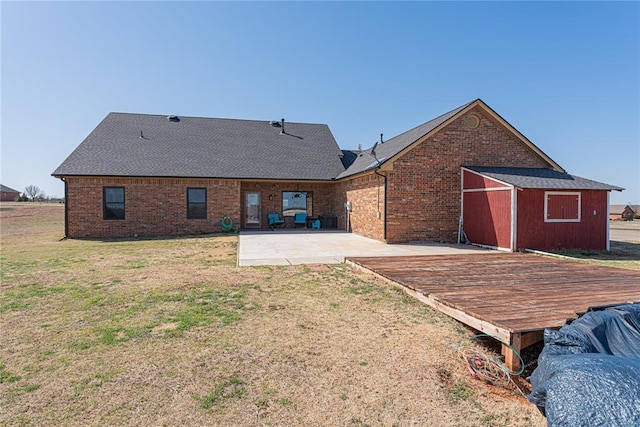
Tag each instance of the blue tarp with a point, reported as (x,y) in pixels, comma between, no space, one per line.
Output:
(588,373)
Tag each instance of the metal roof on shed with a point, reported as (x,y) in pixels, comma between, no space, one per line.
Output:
(540,178)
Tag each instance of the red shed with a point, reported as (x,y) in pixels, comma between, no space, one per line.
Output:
(534,208)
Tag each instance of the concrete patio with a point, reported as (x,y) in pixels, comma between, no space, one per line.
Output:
(304,246)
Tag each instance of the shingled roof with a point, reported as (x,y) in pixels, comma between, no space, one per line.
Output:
(141,145)
(365,160)
(541,178)
(6,189)
(395,146)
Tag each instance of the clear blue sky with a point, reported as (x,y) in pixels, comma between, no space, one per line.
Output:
(566,75)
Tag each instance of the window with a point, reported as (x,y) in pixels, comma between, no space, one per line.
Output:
(196,203)
(561,206)
(294,202)
(113,202)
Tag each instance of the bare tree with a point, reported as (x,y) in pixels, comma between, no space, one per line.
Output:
(33,192)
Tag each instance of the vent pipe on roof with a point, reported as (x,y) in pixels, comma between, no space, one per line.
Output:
(173,118)
(282,132)
(381,141)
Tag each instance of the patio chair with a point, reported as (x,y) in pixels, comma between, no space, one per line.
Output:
(300,219)
(274,220)
(316,224)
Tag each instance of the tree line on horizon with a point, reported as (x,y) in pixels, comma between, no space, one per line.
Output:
(33,193)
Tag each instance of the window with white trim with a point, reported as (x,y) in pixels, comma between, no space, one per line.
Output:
(561,206)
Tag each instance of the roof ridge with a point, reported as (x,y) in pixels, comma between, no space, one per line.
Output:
(395,145)
(211,118)
(462,107)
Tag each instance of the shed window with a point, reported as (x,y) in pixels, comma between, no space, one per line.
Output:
(294,202)
(561,206)
(196,203)
(113,202)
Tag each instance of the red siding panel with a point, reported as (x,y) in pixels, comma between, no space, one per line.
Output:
(487,217)
(473,180)
(590,233)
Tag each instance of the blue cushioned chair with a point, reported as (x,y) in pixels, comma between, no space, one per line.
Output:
(274,220)
(300,218)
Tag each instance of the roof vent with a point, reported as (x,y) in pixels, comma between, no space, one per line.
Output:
(274,123)
(472,121)
(173,118)
(282,132)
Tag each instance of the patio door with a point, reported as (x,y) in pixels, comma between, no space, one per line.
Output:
(252,211)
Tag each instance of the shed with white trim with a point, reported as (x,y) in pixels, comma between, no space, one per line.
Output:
(534,208)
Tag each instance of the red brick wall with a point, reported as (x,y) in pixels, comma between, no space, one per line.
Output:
(423,189)
(153,206)
(424,185)
(9,197)
(320,198)
(366,194)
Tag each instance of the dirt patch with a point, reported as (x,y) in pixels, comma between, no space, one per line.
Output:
(318,267)
(158,330)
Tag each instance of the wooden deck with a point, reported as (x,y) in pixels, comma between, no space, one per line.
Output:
(512,296)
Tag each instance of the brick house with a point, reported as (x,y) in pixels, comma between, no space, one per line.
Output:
(149,175)
(623,212)
(8,194)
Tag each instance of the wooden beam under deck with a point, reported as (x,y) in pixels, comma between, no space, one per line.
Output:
(512,296)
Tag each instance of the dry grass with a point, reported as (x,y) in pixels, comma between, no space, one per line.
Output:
(170,332)
(625,248)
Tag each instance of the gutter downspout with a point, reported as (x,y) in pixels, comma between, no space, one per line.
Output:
(66,209)
(384,208)
(608,237)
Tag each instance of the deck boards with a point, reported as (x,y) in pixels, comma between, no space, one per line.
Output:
(515,292)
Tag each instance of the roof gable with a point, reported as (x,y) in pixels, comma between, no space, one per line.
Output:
(540,178)
(126,144)
(399,145)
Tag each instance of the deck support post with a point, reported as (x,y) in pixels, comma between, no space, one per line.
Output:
(511,358)
(518,342)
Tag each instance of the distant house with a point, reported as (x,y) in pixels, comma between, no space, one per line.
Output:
(623,212)
(150,175)
(8,194)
